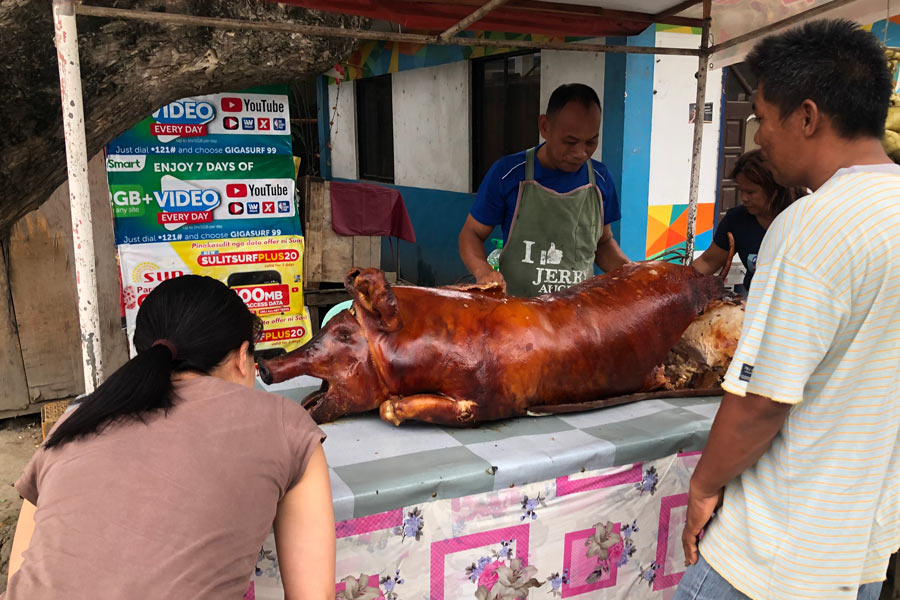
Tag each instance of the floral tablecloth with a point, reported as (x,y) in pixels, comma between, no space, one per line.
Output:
(605,533)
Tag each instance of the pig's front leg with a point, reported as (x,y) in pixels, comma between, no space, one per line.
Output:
(431,408)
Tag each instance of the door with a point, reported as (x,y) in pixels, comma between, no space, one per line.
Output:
(734,134)
(737,132)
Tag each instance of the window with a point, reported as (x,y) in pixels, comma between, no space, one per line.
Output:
(506,96)
(375,129)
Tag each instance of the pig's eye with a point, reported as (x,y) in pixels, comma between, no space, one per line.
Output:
(343,337)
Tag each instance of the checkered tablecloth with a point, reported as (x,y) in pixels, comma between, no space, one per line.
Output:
(376,467)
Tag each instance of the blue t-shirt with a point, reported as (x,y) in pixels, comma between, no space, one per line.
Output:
(499,190)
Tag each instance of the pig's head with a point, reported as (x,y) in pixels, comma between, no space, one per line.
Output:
(339,353)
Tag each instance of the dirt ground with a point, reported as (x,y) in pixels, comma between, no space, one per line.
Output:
(19,439)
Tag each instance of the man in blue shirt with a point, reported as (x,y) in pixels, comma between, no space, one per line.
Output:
(553,203)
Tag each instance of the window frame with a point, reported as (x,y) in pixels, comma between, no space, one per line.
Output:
(364,87)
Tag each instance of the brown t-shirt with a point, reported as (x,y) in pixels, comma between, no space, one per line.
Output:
(174,508)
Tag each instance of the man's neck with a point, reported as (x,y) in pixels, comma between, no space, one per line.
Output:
(843,153)
(543,157)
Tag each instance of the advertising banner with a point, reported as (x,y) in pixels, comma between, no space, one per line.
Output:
(267,273)
(189,198)
(255,121)
(206,185)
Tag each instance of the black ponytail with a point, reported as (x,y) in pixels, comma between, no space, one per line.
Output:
(189,323)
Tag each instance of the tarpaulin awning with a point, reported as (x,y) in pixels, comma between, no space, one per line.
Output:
(545,18)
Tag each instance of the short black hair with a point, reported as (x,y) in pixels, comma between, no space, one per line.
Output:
(568,92)
(834,63)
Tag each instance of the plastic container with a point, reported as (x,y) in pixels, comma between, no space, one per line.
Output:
(493,258)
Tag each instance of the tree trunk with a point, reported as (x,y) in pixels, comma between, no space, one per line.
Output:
(128,70)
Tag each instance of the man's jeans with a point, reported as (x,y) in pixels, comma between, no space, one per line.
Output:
(701,582)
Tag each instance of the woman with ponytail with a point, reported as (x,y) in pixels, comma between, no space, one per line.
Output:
(166,480)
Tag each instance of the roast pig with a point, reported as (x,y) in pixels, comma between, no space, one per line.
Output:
(463,355)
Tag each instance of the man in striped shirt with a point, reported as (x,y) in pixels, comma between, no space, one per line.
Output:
(804,453)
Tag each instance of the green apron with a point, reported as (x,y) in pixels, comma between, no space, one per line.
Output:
(553,237)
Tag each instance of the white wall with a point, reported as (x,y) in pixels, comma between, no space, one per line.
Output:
(432,139)
(343,130)
(671,136)
(561,66)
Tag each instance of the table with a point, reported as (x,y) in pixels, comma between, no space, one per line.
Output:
(587,503)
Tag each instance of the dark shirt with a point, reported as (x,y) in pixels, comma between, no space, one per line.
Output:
(748,235)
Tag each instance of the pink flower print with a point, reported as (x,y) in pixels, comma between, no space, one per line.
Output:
(615,552)
(489,576)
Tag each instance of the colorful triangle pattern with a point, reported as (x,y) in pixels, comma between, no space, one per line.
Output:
(667,227)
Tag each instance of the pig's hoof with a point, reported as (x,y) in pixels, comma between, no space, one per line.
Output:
(387,413)
(466,410)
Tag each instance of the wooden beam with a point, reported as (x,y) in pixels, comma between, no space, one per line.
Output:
(663,16)
(182,20)
(475,16)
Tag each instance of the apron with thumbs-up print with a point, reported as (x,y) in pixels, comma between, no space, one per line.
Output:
(553,237)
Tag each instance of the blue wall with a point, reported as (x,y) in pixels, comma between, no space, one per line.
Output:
(628,111)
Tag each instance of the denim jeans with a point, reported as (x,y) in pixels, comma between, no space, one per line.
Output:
(701,582)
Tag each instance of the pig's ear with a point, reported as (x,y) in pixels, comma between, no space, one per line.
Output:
(372,293)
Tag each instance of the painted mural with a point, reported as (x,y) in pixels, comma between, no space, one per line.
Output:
(667,228)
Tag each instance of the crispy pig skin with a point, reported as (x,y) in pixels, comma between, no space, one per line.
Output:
(468,354)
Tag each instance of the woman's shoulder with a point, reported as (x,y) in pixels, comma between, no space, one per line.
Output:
(735,217)
(210,387)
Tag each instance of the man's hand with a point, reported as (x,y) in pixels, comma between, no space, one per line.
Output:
(701,506)
(491,276)
(608,255)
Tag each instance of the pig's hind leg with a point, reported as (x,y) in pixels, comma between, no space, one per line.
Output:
(432,408)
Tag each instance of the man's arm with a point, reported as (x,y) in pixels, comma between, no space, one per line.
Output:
(609,255)
(742,431)
(471,250)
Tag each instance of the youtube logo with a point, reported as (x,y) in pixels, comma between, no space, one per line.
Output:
(262,123)
(268,207)
(230,122)
(236,190)
(235,208)
(232,104)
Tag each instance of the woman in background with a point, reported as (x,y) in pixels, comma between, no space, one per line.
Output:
(166,480)
(761,201)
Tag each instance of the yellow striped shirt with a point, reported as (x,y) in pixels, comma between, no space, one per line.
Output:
(819,513)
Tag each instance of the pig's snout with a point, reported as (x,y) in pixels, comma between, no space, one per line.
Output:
(282,368)
(264,373)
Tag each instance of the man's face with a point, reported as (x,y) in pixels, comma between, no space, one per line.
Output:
(571,134)
(779,139)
